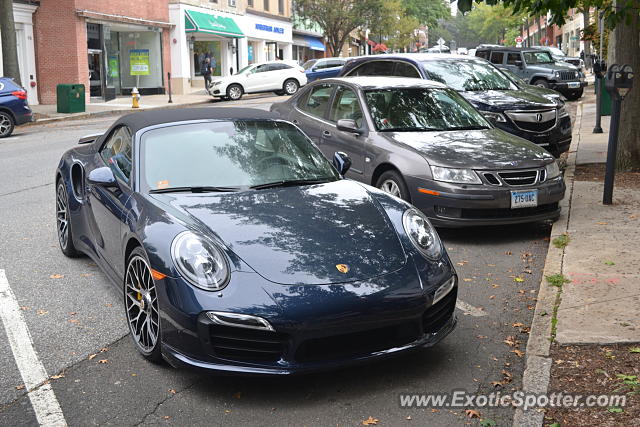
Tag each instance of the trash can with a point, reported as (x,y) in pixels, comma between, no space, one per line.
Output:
(605,99)
(70,98)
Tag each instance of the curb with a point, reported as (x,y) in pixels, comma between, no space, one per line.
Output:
(536,376)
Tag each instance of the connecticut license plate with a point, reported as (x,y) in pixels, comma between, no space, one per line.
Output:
(573,85)
(524,199)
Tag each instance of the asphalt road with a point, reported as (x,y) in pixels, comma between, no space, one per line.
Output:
(76,322)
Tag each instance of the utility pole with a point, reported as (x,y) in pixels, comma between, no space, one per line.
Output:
(9,48)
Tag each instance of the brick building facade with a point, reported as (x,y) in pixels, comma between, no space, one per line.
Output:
(109,46)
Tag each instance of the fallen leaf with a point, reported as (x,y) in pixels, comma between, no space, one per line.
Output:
(57,377)
(511,341)
(370,421)
(518,279)
(531,307)
(408,417)
(495,286)
(492,296)
(73,320)
(166,417)
(108,305)
(517,324)
(602,223)
(103,349)
(85,275)
(172,391)
(91,356)
(103,361)
(73,313)
(20,387)
(42,312)
(56,276)
(491,265)
(527,270)
(435,410)
(610,263)
(481,336)
(518,352)
(25,308)
(467,280)
(634,350)
(472,413)
(226,411)
(134,375)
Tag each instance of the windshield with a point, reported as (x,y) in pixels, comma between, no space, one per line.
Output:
(418,109)
(537,57)
(467,75)
(230,154)
(244,69)
(309,64)
(555,51)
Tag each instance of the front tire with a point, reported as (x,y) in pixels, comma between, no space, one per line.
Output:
(6,124)
(541,83)
(234,92)
(63,222)
(290,86)
(391,182)
(141,306)
(574,95)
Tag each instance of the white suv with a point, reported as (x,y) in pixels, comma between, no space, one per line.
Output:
(283,78)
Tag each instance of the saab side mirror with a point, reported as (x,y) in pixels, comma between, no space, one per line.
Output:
(342,162)
(102,177)
(518,63)
(348,125)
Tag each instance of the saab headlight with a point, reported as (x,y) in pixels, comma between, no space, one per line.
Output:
(553,170)
(494,117)
(458,176)
(422,234)
(199,261)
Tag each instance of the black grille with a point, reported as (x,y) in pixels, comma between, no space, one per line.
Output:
(508,213)
(567,75)
(247,344)
(518,178)
(536,126)
(436,316)
(357,343)
(491,178)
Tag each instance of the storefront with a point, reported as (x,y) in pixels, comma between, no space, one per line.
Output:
(199,34)
(307,47)
(267,38)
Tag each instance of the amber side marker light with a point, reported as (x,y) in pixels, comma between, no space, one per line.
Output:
(425,191)
(157,275)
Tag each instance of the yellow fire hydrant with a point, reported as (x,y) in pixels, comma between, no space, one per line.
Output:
(135,98)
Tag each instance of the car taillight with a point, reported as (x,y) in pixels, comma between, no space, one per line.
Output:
(20,94)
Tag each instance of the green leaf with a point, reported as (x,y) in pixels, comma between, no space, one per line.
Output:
(554,425)
(614,409)
(634,350)
(610,263)
(487,423)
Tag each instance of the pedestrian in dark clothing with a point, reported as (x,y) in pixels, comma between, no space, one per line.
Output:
(205,70)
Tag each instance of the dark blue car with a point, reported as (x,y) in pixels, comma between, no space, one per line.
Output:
(14,108)
(323,68)
(239,248)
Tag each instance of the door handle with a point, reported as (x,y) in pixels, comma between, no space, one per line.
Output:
(326,133)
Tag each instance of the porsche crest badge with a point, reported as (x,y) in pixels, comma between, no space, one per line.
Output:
(342,268)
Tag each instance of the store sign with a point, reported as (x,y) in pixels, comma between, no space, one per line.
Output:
(114,66)
(139,62)
(262,27)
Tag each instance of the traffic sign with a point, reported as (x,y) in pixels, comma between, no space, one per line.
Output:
(518,39)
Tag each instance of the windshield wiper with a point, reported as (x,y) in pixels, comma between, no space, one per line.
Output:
(199,189)
(287,183)
(467,127)
(407,129)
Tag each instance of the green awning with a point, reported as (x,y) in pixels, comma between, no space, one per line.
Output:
(198,22)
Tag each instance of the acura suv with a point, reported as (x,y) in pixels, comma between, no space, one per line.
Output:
(539,116)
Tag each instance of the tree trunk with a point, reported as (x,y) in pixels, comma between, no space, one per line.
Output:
(624,43)
(528,34)
(9,49)
(587,44)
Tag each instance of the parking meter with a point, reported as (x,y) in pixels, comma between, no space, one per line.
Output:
(619,82)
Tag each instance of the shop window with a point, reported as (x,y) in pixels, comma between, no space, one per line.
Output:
(250,3)
(281,7)
(140,59)
(266,4)
(232,3)
(207,49)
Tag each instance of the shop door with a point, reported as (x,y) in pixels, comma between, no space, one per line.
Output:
(95,73)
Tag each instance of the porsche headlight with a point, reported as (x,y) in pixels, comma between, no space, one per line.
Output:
(553,170)
(422,234)
(199,261)
(458,176)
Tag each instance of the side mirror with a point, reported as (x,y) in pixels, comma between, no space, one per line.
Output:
(348,125)
(342,162)
(102,177)
(518,63)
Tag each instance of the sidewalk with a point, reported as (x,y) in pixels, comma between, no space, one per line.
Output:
(590,294)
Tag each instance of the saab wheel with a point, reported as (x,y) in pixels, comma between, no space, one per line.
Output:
(63,222)
(291,86)
(234,92)
(541,83)
(575,95)
(6,124)
(391,182)
(141,305)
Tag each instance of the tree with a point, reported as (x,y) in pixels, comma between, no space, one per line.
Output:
(9,45)
(393,26)
(338,18)
(491,23)
(427,12)
(623,18)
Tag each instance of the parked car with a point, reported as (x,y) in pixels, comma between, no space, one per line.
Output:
(424,143)
(542,91)
(559,55)
(509,107)
(538,68)
(322,68)
(281,77)
(462,51)
(239,248)
(14,108)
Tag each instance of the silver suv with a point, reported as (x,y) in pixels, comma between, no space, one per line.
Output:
(538,68)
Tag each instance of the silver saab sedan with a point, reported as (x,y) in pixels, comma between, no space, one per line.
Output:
(424,143)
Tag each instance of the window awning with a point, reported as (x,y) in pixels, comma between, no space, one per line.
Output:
(199,22)
(314,43)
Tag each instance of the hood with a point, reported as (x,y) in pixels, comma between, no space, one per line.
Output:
(524,99)
(488,149)
(547,93)
(555,66)
(298,235)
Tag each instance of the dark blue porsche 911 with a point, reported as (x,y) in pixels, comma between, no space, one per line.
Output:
(238,247)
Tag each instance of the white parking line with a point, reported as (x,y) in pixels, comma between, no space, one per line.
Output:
(470,310)
(43,399)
